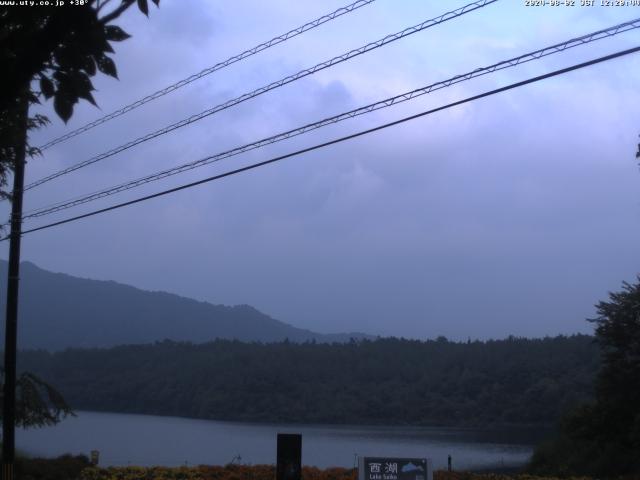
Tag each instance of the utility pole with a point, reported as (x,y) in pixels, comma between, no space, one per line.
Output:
(13,281)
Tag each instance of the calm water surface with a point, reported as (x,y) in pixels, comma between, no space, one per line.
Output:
(150,440)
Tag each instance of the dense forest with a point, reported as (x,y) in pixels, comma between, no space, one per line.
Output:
(387,381)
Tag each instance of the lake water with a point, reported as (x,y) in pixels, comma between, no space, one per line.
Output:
(146,440)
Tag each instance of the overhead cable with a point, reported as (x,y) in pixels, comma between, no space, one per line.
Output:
(537,54)
(291,78)
(207,71)
(337,140)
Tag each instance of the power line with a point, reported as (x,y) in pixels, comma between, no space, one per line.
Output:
(535,55)
(218,66)
(291,78)
(338,140)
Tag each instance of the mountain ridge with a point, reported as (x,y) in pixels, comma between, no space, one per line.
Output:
(92,313)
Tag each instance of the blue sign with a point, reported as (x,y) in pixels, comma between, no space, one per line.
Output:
(390,468)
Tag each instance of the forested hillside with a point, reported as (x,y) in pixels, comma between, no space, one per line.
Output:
(388,381)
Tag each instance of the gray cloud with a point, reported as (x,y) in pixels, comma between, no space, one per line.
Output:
(511,215)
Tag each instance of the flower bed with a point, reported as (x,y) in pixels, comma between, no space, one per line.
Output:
(264,472)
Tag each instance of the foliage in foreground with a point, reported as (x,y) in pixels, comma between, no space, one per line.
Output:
(61,49)
(603,438)
(38,404)
(264,472)
(66,467)
(69,467)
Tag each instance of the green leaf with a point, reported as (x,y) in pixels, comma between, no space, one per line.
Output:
(115,33)
(88,65)
(106,47)
(143,6)
(61,77)
(106,66)
(86,94)
(81,86)
(63,105)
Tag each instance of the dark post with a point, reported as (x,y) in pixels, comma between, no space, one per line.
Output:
(449,463)
(289,466)
(13,279)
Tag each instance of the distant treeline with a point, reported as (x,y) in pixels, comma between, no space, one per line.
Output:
(387,381)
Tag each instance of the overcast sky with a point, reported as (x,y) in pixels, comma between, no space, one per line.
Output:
(513,214)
